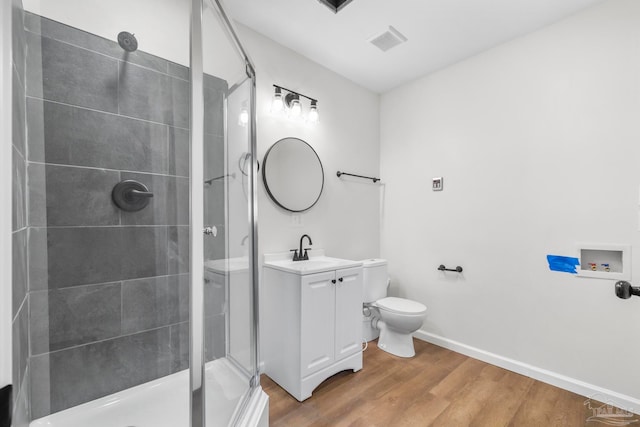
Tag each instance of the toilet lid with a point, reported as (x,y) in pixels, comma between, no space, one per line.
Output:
(401,305)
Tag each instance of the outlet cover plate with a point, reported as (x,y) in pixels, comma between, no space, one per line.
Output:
(437,183)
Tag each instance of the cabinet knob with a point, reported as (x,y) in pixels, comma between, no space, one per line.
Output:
(333,281)
(341,279)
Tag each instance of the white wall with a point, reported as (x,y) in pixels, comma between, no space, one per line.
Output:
(5,192)
(161,26)
(345,221)
(538,142)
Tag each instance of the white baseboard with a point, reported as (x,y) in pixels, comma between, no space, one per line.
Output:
(619,400)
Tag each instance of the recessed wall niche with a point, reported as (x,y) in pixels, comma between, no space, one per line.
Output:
(605,261)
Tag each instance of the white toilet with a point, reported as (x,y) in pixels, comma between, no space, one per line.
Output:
(396,318)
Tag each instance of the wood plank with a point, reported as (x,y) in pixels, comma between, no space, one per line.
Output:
(467,403)
(509,395)
(437,387)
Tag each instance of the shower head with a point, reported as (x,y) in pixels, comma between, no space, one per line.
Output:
(127,41)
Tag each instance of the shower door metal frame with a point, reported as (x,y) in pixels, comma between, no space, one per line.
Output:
(196,212)
(6,69)
(196,117)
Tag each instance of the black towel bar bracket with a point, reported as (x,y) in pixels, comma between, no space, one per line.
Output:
(458,269)
(339,174)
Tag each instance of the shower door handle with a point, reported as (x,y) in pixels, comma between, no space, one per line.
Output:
(210,231)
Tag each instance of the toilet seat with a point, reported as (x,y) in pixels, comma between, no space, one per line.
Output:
(401,305)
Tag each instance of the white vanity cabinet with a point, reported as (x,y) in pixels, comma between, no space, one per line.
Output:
(311,326)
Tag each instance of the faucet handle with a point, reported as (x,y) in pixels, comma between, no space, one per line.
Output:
(306,255)
(295,254)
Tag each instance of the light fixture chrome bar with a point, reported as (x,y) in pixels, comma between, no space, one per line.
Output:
(297,93)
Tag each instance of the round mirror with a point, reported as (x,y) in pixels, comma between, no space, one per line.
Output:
(293,174)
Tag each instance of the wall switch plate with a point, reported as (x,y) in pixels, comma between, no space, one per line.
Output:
(436,184)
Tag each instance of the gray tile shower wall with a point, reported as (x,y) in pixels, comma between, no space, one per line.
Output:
(109,290)
(20,294)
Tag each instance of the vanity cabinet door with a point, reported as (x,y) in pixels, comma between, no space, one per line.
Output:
(349,295)
(317,322)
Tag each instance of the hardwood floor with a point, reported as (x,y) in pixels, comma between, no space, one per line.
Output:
(438,387)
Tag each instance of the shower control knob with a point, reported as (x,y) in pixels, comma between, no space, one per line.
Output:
(130,195)
(211,231)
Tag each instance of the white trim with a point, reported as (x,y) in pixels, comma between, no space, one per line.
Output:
(6,146)
(256,414)
(558,380)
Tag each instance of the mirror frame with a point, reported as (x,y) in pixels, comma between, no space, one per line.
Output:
(266,184)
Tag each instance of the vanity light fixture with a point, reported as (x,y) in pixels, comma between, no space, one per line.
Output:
(291,103)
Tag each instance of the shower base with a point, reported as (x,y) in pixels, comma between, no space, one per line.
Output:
(160,403)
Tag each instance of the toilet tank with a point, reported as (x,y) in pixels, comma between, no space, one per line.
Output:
(375,279)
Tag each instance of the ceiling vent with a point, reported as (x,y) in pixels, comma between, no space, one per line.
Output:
(387,40)
(335,5)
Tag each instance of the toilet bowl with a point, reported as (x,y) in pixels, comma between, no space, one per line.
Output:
(396,318)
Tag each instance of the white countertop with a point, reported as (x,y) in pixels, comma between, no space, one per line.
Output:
(317,262)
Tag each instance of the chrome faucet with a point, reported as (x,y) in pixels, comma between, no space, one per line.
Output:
(302,257)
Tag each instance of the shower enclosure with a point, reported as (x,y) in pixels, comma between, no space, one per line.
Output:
(134,283)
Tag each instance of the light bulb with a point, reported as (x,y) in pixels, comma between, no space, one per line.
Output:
(314,117)
(277,105)
(296,108)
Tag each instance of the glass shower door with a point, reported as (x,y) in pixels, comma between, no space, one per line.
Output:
(229,351)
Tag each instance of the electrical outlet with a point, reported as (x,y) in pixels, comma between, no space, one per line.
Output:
(436,184)
(296,220)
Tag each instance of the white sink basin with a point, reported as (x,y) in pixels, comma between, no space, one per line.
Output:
(316,264)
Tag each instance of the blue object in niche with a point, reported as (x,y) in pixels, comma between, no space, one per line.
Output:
(563,264)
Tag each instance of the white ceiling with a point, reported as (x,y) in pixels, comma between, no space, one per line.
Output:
(440,32)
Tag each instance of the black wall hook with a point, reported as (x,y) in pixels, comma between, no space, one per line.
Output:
(624,290)
(458,269)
